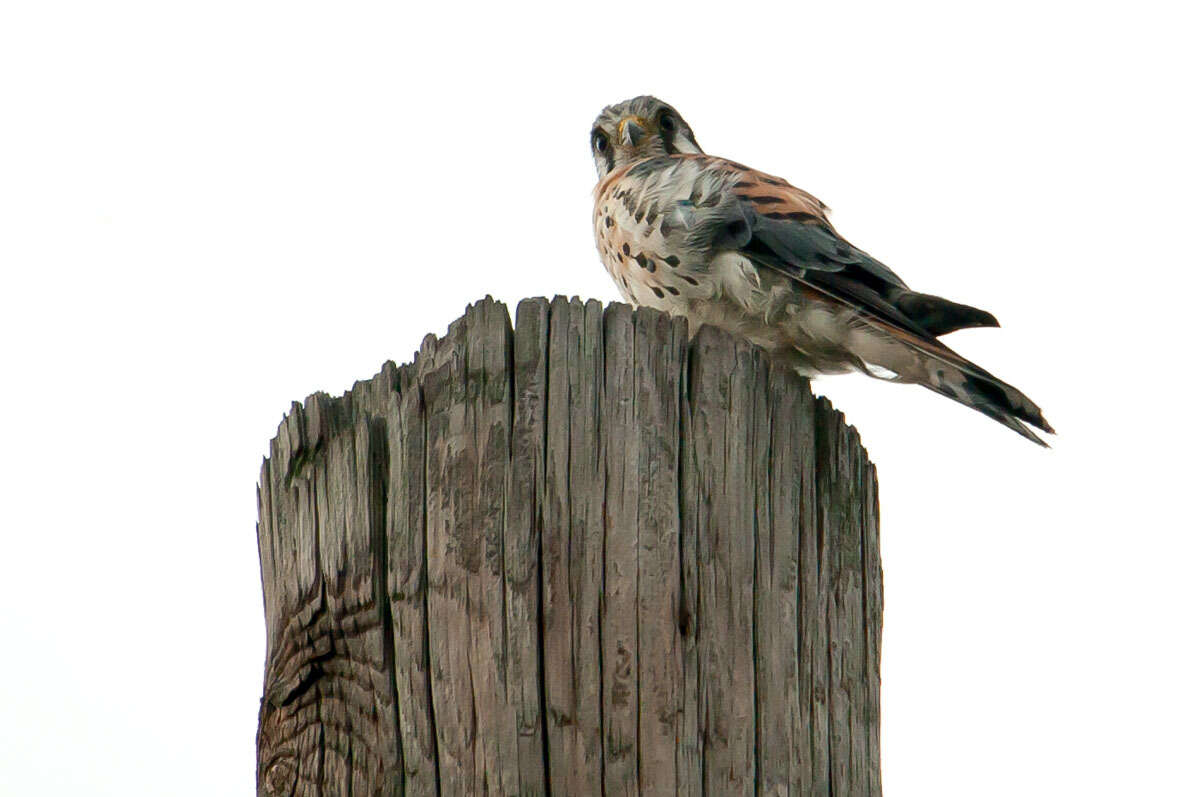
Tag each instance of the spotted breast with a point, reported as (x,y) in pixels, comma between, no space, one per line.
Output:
(643,216)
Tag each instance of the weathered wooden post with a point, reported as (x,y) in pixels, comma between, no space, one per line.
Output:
(584,556)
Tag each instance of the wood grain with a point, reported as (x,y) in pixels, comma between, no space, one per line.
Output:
(581,554)
(573,548)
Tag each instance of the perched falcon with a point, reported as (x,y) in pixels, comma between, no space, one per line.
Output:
(723,244)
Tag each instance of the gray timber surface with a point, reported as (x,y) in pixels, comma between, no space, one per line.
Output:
(582,555)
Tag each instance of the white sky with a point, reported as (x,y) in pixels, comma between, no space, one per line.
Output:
(208,210)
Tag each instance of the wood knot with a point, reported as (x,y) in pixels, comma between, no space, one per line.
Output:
(280,776)
(685,623)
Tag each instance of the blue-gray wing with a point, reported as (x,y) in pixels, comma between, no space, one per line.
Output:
(783,228)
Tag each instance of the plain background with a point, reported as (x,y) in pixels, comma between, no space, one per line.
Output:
(208,210)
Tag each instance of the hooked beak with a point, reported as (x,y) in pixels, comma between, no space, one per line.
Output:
(632,130)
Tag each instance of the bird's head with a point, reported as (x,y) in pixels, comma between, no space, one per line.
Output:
(636,129)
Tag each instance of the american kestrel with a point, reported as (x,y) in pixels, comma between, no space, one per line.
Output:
(723,244)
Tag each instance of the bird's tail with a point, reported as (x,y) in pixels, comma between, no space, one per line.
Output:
(887,352)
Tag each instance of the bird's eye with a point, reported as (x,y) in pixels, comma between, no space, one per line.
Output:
(599,141)
(666,122)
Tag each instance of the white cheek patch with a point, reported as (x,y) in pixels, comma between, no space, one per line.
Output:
(602,168)
(683,144)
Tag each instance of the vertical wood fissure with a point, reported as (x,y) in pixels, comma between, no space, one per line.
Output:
(637,555)
(752,730)
(603,687)
(437,762)
(378,502)
(602,453)
(538,510)
(316,510)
